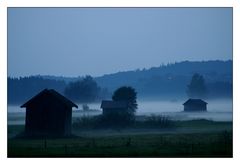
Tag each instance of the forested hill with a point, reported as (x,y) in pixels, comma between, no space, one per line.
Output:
(166,81)
(171,78)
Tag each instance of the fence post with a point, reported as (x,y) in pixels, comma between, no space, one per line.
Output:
(65,148)
(192,148)
(45,143)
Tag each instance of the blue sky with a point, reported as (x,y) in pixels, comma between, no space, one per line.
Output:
(97,41)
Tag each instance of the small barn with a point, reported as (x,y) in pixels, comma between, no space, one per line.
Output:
(48,113)
(192,105)
(111,107)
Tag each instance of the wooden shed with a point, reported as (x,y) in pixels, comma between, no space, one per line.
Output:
(111,107)
(192,105)
(48,113)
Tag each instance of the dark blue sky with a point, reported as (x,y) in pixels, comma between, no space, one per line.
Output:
(96,41)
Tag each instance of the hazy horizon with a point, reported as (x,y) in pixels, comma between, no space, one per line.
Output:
(75,42)
(108,73)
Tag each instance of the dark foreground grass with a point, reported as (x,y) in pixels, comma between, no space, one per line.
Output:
(179,144)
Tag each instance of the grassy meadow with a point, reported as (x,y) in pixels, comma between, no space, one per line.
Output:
(196,138)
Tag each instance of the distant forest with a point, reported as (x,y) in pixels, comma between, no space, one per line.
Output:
(84,90)
(164,82)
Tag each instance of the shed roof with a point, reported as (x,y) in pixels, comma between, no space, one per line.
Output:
(49,93)
(194,101)
(113,104)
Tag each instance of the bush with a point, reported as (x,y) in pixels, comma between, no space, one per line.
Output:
(87,122)
(118,120)
(100,122)
(155,121)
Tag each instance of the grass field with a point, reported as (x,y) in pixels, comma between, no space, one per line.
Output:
(199,138)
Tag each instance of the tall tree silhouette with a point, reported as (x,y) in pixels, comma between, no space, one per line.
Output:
(128,94)
(197,87)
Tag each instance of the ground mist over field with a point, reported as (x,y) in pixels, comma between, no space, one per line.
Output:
(218,110)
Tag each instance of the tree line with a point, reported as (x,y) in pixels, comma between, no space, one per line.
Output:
(198,88)
(85,90)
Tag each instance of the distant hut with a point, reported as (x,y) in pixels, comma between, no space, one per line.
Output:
(48,113)
(110,107)
(192,105)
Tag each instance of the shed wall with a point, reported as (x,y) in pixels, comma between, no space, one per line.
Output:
(192,107)
(51,119)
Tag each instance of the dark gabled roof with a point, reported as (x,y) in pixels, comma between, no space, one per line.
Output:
(49,93)
(113,104)
(194,101)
